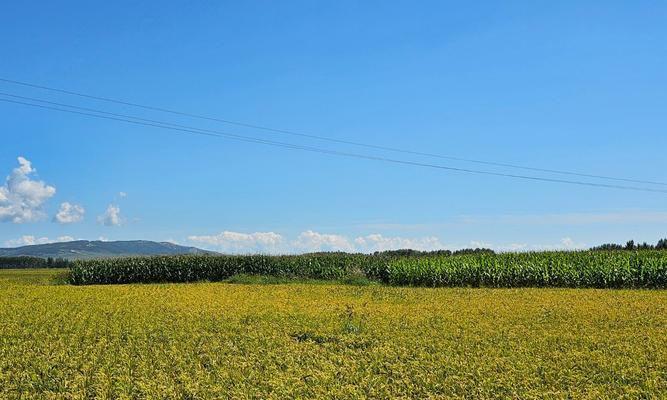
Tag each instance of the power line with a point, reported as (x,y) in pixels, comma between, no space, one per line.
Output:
(207,132)
(329,139)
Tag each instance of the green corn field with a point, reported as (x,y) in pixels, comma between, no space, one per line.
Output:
(190,268)
(595,269)
(616,269)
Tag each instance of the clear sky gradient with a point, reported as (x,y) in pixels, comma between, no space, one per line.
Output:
(570,85)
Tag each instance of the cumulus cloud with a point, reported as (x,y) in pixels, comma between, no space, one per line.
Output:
(122,194)
(237,242)
(29,240)
(111,216)
(378,242)
(478,244)
(310,241)
(517,246)
(22,198)
(26,240)
(69,213)
(565,243)
(568,243)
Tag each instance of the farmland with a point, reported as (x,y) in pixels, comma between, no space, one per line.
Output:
(305,340)
(596,269)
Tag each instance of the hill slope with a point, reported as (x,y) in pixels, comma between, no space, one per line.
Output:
(85,249)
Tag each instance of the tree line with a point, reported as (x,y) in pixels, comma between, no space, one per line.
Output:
(631,245)
(50,262)
(33,262)
(420,253)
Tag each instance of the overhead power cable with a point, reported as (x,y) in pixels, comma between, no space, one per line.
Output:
(193,130)
(330,139)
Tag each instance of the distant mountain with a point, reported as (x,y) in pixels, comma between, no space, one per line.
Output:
(85,249)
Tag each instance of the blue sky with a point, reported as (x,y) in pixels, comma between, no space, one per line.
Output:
(579,86)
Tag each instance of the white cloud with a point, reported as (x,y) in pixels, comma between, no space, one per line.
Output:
(237,242)
(111,216)
(564,244)
(567,242)
(478,244)
(377,242)
(29,240)
(122,194)
(310,241)
(69,213)
(26,240)
(21,198)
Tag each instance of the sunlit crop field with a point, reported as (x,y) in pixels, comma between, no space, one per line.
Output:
(306,340)
(644,269)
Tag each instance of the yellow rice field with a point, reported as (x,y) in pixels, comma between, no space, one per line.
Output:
(314,340)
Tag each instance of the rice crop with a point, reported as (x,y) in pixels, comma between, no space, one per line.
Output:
(326,341)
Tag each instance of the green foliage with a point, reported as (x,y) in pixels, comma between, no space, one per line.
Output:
(32,262)
(608,247)
(473,251)
(412,253)
(611,269)
(631,245)
(421,253)
(351,322)
(600,269)
(192,268)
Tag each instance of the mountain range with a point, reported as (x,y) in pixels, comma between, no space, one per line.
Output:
(86,249)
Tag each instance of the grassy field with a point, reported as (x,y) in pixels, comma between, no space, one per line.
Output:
(304,340)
